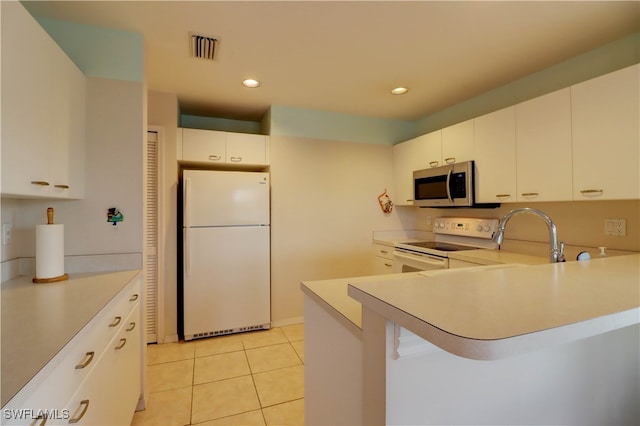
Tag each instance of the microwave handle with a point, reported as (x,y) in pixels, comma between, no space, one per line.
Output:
(448,185)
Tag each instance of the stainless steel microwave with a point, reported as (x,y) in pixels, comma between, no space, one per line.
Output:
(445,186)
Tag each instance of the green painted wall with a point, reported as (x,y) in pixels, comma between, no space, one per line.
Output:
(99,52)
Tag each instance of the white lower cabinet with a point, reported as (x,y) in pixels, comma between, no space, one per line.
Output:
(96,379)
(382,259)
(109,394)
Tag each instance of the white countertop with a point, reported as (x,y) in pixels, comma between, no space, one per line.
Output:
(494,257)
(502,312)
(38,320)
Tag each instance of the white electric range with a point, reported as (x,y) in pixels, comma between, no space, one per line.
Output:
(450,234)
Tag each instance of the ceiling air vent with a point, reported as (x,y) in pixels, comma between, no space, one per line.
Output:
(203,46)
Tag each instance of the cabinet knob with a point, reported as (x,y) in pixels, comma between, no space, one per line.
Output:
(132,325)
(133,298)
(236,159)
(214,157)
(450,160)
(433,163)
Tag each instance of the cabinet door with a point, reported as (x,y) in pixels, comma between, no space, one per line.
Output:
(606,136)
(432,150)
(408,156)
(26,86)
(543,148)
(204,146)
(495,157)
(457,142)
(248,149)
(66,139)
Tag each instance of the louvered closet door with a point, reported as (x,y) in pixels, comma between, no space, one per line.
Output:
(151,238)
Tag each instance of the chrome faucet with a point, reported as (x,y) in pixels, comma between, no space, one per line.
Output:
(556,251)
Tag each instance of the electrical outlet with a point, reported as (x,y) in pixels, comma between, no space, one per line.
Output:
(615,227)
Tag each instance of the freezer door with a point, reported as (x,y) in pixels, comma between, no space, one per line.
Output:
(226,279)
(225,198)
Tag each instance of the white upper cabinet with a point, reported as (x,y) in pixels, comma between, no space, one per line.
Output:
(606,136)
(43,120)
(204,146)
(543,147)
(411,155)
(457,143)
(495,157)
(216,147)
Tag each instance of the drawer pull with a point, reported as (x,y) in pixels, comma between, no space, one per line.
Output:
(236,159)
(131,326)
(450,160)
(388,265)
(42,417)
(384,252)
(134,298)
(503,195)
(433,163)
(84,405)
(214,157)
(86,360)
(40,183)
(530,194)
(61,186)
(115,322)
(123,342)
(591,191)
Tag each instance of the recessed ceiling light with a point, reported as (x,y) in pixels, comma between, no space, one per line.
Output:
(251,83)
(399,90)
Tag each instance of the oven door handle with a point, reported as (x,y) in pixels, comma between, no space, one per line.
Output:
(449,184)
(432,260)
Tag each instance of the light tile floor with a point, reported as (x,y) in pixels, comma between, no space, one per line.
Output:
(254,378)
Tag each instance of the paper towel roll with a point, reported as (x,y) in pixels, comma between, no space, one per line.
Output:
(49,251)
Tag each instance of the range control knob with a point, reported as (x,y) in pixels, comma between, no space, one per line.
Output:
(487,228)
(479,228)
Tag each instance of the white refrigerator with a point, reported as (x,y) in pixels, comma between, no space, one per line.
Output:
(226,252)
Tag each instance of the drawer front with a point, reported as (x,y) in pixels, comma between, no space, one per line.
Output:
(110,393)
(60,378)
(382,266)
(383,250)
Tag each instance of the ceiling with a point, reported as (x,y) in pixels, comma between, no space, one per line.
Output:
(347,56)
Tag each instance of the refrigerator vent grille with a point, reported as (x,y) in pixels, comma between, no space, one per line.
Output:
(230,331)
(203,46)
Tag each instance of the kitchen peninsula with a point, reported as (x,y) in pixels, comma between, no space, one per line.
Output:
(543,344)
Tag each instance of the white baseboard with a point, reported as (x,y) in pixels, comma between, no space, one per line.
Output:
(288,321)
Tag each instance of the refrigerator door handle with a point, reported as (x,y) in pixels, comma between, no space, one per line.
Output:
(187,214)
(187,258)
(185,209)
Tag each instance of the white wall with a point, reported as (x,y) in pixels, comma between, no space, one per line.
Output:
(324,208)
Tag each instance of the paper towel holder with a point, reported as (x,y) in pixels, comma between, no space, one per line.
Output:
(62,277)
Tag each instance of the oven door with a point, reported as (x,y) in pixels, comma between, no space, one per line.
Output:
(410,261)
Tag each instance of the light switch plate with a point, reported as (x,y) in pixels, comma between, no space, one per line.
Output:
(7,229)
